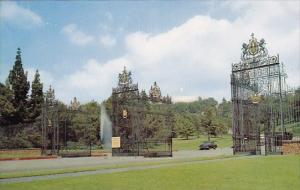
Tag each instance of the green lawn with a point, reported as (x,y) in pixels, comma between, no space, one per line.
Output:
(294,128)
(101,167)
(259,173)
(193,143)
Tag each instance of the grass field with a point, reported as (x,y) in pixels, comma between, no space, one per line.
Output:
(101,167)
(193,143)
(294,128)
(259,173)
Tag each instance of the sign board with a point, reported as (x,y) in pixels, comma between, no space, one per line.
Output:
(115,142)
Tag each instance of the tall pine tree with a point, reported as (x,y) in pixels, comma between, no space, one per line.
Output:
(20,87)
(36,97)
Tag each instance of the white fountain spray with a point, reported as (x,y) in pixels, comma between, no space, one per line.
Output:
(105,128)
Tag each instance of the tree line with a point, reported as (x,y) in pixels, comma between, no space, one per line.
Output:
(202,117)
(17,105)
(21,109)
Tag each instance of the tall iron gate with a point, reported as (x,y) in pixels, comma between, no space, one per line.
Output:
(259,101)
(130,123)
(68,133)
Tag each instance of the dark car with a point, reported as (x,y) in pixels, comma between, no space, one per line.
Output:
(208,145)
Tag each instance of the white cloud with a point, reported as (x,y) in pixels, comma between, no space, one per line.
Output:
(107,41)
(195,56)
(76,36)
(11,11)
(92,81)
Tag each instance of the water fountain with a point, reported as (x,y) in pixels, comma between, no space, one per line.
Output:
(105,128)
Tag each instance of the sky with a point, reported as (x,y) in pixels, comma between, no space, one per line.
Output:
(187,47)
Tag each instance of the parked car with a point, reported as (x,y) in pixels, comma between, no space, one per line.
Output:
(208,145)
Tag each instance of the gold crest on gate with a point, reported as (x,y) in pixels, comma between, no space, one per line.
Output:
(253,46)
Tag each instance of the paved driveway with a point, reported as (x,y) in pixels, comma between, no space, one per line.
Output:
(30,165)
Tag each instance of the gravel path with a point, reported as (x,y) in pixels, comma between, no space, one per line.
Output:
(108,171)
(37,165)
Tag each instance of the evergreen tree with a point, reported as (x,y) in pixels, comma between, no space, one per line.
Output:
(20,87)
(144,99)
(36,97)
(169,99)
(50,97)
(6,107)
(7,84)
(144,96)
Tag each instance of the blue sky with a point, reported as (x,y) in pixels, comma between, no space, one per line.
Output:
(45,45)
(186,46)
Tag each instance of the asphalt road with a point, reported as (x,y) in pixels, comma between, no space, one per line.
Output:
(35,165)
(107,171)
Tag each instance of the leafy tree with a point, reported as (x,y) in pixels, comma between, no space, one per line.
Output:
(207,121)
(196,119)
(224,114)
(184,126)
(167,99)
(20,140)
(20,87)
(196,113)
(35,109)
(93,110)
(145,99)
(224,108)
(296,105)
(7,109)
(50,97)
(195,107)
(36,97)
(154,127)
(33,135)
(209,102)
(83,125)
(64,118)
(144,96)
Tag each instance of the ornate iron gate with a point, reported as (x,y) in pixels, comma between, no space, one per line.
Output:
(50,125)
(258,91)
(129,113)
